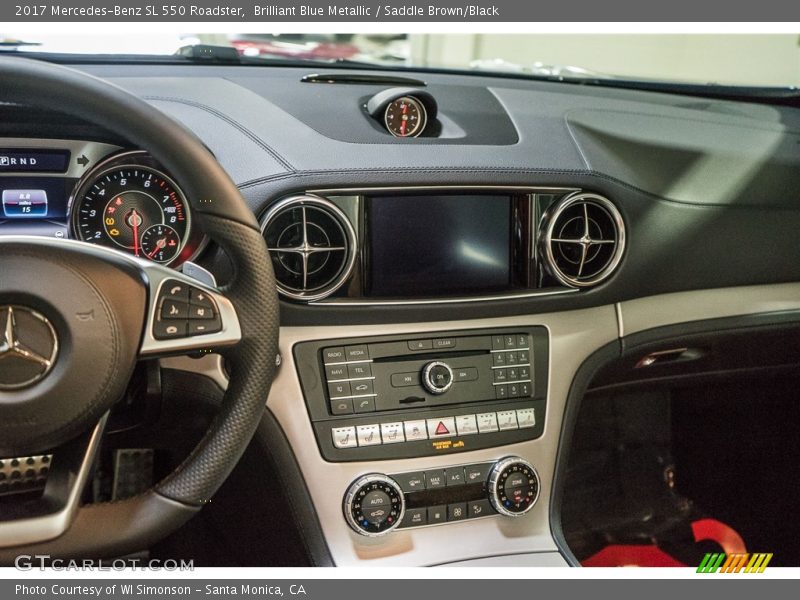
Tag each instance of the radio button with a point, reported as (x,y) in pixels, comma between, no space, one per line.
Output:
(435,479)
(411,482)
(507,419)
(487,422)
(333,355)
(415,430)
(336,372)
(441,428)
(392,433)
(342,407)
(364,405)
(466,374)
(444,343)
(344,437)
(339,390)
(526,417)
(466,425)
(369,435)
(416,345)
(405,379)
(356,353)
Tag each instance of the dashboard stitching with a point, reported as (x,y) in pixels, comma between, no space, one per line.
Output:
(252,136)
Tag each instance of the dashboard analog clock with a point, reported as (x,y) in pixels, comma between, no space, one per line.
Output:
(130,205)
(405,117)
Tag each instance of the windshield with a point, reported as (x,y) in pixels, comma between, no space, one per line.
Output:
(739,60)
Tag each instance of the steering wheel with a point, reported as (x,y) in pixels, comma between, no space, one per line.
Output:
(76,317)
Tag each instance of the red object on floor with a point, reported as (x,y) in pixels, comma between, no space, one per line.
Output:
(645,555)
(621,555)
(716,531)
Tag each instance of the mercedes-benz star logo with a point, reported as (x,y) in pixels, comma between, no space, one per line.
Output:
(28,347)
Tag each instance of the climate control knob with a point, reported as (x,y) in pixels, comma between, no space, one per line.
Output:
(437,377)
(374,505)
(513,486)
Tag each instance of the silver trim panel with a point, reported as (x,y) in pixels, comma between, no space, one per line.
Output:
(47,527)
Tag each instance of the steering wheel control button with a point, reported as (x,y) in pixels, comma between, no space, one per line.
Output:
(201,312)
(170,329)
(513,487)
(437,377)
(174,309)
(374,505)
(441,428)
(201,298)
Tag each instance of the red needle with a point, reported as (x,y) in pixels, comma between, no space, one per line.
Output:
(134,220)
(403,128)
(159,245)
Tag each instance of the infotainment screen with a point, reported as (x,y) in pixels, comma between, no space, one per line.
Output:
(438,245)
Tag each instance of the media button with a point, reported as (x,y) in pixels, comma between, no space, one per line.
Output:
(405,379)
(356,353)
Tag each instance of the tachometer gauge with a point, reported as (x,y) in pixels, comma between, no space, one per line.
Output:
(405,117)
(132,206)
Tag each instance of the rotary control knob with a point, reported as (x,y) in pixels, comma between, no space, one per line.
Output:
(513,486)
(437,377)
(374,505)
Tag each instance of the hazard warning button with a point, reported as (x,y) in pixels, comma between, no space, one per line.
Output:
(441,428)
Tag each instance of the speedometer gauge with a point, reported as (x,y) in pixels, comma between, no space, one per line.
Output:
(133,207)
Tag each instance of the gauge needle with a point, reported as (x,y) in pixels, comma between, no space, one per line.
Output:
(134,220)
(159,245)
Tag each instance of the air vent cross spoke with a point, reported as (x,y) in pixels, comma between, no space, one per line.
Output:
(312,245)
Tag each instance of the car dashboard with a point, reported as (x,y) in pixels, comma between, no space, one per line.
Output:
(451,252)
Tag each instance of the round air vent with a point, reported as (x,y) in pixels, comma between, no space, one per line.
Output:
(583,238)
(312,246)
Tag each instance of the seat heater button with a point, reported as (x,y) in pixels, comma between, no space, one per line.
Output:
(487,422)
(369,435)
(344,437)
(526,417)
(507,419)
(392,433)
